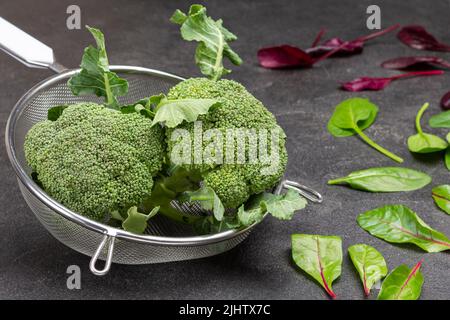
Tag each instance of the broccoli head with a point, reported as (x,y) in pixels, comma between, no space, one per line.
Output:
(95,160)
(232,182)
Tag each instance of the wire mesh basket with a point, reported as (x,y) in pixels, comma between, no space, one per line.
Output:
(164,240)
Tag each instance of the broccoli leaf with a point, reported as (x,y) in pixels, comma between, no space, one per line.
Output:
(209,200)
(209,225)
(213,38)
(174,112)
(136,222)
(55,112)
(95,77)
(142,107)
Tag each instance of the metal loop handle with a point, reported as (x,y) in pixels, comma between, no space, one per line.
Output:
(27,49)
(310,194)
(107,239)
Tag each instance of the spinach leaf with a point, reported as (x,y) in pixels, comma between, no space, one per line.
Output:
(440,120)
(424,142)
(402,284)
(281,206)
(213,38)
(399,224)
(441,196)
(351,117)
(385,179)
(369,263)
(174,112)
(55,112)
(95,77)
(319,256)
(447,157)
(208,199)
(136,222)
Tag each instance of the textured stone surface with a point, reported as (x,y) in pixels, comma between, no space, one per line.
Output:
(33,264)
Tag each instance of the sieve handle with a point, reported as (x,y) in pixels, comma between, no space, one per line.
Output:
(310,194)
(28,50)
(108,240)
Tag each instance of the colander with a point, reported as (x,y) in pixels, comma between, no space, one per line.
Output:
(164,240)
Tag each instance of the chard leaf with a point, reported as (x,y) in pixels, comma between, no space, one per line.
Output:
(385,179)
(351,117)
(136,222)
(209,200)
(174,112)
(213,38)
(319,256)
(95,77)
(425,142)
(440,120)
(399,224)
(369,263)
(55,112)
(402,284)
(441,196)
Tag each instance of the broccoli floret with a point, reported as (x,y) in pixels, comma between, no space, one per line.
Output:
(95,160)
(233,183)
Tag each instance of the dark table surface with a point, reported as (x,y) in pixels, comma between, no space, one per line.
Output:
(33,264)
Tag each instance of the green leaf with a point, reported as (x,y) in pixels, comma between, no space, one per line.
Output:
(209,225)
(399,224)
(369,263)
(142,107)
(136,222)
(95,77)
(319,256)
(213,38)
(424,142)
(447,159)
(55,112)
(283,206)
(441,120)
(402,284)
(249,216)
(208,200)
(385,179)
(441,196)
(351,117)
(174,112)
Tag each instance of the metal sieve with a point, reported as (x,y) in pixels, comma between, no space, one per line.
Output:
(164,240)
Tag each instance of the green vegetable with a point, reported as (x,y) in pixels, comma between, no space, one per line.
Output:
(281,206)
(447,158)
(441,120)
(136,222)
(399,224)
(402,284)
(351,117)
(237,108)
(208,200)
(319,256)
(441,196)
(385,179)
(95,77)
(174,112)
(425,142)
(55,112)
(213,37)
(370,264)
(93,160)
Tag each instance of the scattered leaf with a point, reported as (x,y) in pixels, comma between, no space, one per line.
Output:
(402,284)
(369,263)
(385,179)
(320,257)
(425,142)
(418,38)
(428,62)
(445,101)
(440,120)
(399,224)
(441,196)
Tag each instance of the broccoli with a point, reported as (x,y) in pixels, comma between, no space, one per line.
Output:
(233,183)
(95,160)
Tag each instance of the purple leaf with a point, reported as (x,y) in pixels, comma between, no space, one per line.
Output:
(375,84)
(352,47)
(284,56)
(424,62)
(418,38)
(445,101)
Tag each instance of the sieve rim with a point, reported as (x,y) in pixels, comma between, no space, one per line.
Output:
(54,205)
